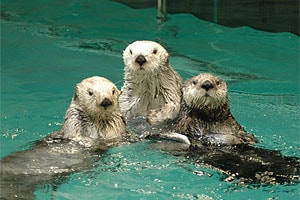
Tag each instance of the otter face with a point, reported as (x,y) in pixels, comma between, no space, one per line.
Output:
(97,95)
(145,56)
(205,91)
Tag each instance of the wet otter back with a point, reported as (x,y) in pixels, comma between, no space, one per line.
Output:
(250,164)
(45,163)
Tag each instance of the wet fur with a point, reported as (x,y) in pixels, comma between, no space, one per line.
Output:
(152,89)
(220,142)
(205,116)
(246,165)
(89,123)
(93,122)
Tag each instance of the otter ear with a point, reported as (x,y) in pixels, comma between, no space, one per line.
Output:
(226,84)
(168,55)
(118,92)
(75,97)
(77,88)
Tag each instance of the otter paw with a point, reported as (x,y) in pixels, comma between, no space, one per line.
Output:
(155,117)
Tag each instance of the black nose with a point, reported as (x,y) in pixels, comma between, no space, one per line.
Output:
(207,85)
(141,60)
(106,102)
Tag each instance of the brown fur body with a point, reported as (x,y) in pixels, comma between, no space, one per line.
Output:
(205,115)
(216,140)
(220,142)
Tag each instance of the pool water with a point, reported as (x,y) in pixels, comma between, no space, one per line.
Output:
(49,46)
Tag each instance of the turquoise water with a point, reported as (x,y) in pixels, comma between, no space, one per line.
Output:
(49,46)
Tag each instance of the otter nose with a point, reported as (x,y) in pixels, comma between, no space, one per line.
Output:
(106,102)
(207,85)
(140,60)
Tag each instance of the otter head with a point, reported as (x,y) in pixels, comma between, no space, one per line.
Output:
(145,56)
(97,96)
(205,92)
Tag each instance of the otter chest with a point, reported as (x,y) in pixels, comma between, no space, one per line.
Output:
(150,97)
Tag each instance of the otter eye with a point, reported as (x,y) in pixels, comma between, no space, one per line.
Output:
(114,91)
(154,51)
(91,92)
(130,51)
(194,82)
(218,82)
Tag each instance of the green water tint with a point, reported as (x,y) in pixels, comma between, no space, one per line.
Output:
(47,47)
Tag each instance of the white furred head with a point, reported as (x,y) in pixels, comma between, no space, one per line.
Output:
(144,57)
(97,96)
(205,91)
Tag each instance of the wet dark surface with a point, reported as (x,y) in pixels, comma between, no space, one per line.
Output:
(267,15)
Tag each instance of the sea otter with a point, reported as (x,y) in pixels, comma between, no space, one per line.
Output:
(205,115)
(151,86)
(94,117)
(93,122)
(207,133)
